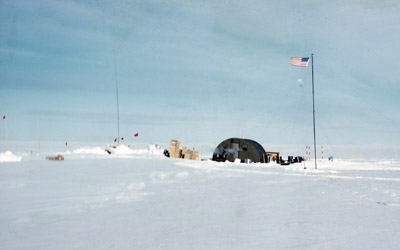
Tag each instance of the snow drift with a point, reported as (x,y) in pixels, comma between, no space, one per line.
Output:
(152,149)
(137,199)
(9,157)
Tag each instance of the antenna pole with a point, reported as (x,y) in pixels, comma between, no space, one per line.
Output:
(315,141)
(5,132)
(38,131)
(116,89)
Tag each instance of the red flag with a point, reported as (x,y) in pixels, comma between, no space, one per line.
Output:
(137,134)
(4,117)
(66,144)
(115,140)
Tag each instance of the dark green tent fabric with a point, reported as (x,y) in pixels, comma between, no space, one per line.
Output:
(235,148)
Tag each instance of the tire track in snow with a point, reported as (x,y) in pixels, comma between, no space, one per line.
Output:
(383,196)
(277,170)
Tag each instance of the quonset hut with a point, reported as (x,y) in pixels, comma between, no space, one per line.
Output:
(244,149)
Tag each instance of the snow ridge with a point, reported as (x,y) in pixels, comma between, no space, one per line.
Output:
(8,156)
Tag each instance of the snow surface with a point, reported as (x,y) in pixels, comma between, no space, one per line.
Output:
(9,157)
(139,199)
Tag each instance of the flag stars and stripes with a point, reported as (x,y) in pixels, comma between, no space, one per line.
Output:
(299,61)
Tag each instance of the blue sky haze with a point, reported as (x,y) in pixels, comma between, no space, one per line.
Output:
(200,71)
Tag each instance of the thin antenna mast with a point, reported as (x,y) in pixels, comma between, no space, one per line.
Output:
(5,131)
(38,131)
(116,89)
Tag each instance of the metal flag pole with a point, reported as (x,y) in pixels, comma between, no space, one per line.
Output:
(116,89)
(303,62)
(315,141)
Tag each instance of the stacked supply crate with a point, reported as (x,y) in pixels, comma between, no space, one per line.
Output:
(177,151)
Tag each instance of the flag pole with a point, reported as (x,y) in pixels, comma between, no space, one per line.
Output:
(315,141)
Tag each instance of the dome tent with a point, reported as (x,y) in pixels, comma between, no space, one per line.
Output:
(243,149)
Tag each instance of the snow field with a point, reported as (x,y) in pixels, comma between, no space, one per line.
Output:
(138,199)
(9,157)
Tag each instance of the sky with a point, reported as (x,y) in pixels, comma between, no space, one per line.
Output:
(200,71)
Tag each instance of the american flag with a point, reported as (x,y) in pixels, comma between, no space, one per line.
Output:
(299,61)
